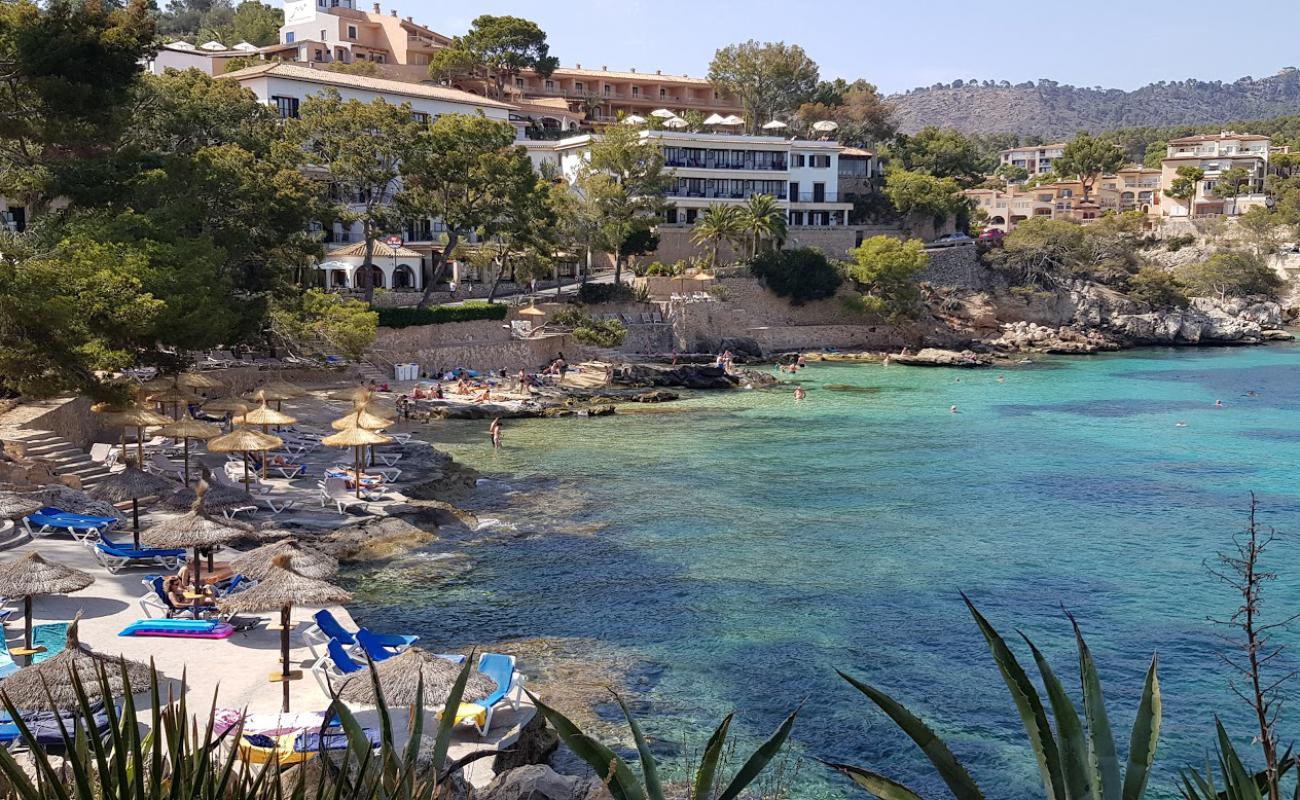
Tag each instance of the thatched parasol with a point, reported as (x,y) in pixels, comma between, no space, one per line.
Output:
(27,688)
(305,560)
(32,575)
(399,678)
(226,405)
(159,384)
(266,417)
(357,438)
(283,387)
(197,380)
(196,529)
(356,395)
(138,418)
(187,428)
(174,397)
(362,418)
(282,588)
(131,484)
(245,440)
(15,506)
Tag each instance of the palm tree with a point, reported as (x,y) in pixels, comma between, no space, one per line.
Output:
(719,221)
(762,219)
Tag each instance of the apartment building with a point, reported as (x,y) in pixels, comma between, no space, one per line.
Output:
(1215,154)
(1133,188)
(324,31)
(1035,159)
(860,173)
(605,95)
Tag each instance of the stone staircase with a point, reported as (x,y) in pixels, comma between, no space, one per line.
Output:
(66,457)
(369,372)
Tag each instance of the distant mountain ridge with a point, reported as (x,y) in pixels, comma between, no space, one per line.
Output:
(1052,110)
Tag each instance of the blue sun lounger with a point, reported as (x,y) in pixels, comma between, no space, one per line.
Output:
(115,555)
(326,628)
(79,526)
(156,599)
(7,665)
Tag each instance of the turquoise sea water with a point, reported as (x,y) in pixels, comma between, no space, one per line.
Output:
(745,550)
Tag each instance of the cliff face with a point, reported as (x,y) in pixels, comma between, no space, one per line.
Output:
(1056,111)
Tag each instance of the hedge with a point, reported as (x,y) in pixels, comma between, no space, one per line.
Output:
(468,312)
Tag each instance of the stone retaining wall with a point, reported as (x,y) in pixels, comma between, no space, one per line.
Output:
(957,267)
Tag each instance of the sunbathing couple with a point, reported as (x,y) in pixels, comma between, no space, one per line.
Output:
(179,587)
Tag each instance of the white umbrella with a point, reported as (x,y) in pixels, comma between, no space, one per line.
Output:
(715,119)
(334,265)
(676,122)
(662,113)
(774,125)
(733,120)
(825,126)
(633,120)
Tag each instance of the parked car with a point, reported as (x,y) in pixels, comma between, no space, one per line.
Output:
(952,240)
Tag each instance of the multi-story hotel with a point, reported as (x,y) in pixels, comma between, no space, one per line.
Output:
(1215,154)
(606,95)
(1133,188)
(1036,159)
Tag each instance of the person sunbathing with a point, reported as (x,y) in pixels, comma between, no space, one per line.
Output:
(418,392)
(484,396)
(462,386)
(175,587)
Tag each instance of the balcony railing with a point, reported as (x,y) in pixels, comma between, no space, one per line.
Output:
(719,194)
(816,197)
(710,163)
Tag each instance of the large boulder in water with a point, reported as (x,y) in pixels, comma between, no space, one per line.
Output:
(688,376)
(934,357)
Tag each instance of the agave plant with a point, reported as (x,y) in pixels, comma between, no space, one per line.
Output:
(1238,784)
(622,782)
(178,757)
(1077,759)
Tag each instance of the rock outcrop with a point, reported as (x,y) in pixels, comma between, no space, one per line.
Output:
(687,376)
(1204,321)
(539,782)
(934,357)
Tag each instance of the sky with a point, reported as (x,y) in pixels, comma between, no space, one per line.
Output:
(904,44)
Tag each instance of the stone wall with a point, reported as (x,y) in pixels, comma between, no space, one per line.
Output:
(675,242)
(958,267)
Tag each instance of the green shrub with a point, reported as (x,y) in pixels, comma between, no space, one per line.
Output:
(657,269)
(319,322)
(1175,243)
(1232,273)
(801,274)
(1157,288)
(590,293)
(588,330)
(466,312)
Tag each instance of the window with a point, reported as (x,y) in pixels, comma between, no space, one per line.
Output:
(378,58)
(286,107)
(519,83)
(608,90)
(663,93)
(794,191)
(318,54)
(288,37)
(636,91)
(799,160)
(578,86)
(420,117)
(352,32)
(550,86)
(322,35)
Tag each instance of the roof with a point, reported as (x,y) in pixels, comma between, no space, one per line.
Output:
(578,72)
(381,249)
(1055,146)
(856,152)
(1225,136)
(1208,157)
(280,69)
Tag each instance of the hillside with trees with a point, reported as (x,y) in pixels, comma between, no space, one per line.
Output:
(1053,110)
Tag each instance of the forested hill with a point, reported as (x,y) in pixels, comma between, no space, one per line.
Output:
(1051,110)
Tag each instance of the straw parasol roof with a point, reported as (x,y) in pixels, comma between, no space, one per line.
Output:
(244,440)
(197,380)
(356,395)
(33,575)
(15,506)
(136,417)
(281,587)
(193,529)
(265,415)
(27,687)
(188,427)
(280,386)
(268,393)
(224,405)
(399,678)
(305,560)
(532,311)
(158,384)
(174,394)
(354,436)
(131,483)
(361,418)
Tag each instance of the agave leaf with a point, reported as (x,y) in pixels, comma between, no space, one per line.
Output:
(417,727)
(1146,733)
(875,783)
(707,774)
(1240,783)
(614,771)
(442,742)
(16,777)
(654,790)
(1101,742)
(760,758)
(1028,704)
(945,763)
(1074,752)
(358,744)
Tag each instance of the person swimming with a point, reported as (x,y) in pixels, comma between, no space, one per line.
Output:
(1001,379)
(1218,404)
(1180,424)
(799,394)
(952,409)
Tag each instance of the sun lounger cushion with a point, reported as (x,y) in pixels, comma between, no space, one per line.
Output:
(53,636)
(152,627)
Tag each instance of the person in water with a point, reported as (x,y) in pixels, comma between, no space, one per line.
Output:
(1218,404)
(494,432)
(952,409)
(799,394)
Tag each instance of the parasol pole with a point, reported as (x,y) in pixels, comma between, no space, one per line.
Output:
(135,521)
(198,568)
(356,468)
(284,656)
(246,482)
(139,443)
(187,465)
(27,623)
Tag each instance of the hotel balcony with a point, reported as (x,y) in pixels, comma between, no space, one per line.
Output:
(718,194)
(416,40)
(710,163)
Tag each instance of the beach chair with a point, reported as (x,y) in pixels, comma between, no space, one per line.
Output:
(510,690)
(286,470)
(273,507)
(335,490)
(388,459)
(229,513)
(116,555)
(379,648)
(400,437)
(155,600)
(326,628)
(82,527)
(7,665)
(162,465)
(53,636)
(335,665)
(390,474)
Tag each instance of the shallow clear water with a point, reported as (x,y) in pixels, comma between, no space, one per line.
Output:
(746,550)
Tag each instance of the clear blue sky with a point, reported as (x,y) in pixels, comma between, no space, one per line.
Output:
(907,43)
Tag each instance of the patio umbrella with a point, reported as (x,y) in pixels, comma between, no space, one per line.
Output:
(174,397)
(32,575)
(355,395)
(131,484)
(220,497)
(357,438)
(362,418)
(400,677)
(677,123)
(733,120)
(825,126)
(266,417)
(282,588)
(159,384)
(271,393)
(195,529)
(283,387)
(197,380)
(532,311)
(634,119)
(245,440)
(774,125)
(715,119)
(27,688)
(15,506)
(305,560)
(138,418)
(663,113)
(187,428)
(226,407)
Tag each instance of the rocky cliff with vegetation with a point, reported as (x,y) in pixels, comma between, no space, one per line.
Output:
(1052,110)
